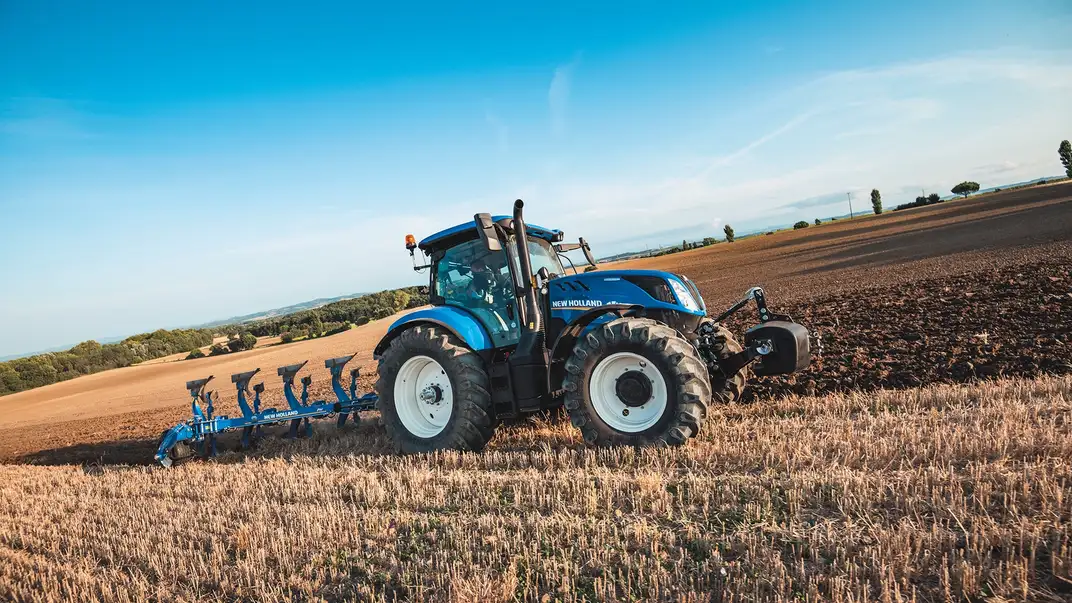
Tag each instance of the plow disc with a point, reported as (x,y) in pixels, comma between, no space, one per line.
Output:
(197,436)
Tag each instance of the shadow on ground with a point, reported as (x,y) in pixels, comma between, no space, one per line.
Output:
(118,452)
(549,428)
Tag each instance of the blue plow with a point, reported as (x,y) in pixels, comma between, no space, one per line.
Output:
(197,436)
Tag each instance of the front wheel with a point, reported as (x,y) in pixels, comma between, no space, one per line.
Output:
(433,393)
(636,382)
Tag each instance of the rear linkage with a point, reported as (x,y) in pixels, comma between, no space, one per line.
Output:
(197,436)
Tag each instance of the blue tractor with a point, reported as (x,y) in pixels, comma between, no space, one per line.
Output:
(631,354)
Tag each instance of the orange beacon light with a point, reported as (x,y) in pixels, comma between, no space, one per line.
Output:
(411,242)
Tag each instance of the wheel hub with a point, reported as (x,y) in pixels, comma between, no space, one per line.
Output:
(633,388)
(423,397)
(433,394)
(628,393)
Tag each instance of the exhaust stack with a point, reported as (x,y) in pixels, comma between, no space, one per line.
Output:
(532,321)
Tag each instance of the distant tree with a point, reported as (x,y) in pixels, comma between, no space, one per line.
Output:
(400,300)
(195,354)
(286,337)
(921,200)
(35,371)
(729,233)
(965,188)
(684,245)
(86,348)
(10,382)
(1065,153)
(333,328)
(218,349)
(243,341)
(709,241)
(833,219)
(876,201)
(316,326)
(933,198)
(818,221)
(799,225)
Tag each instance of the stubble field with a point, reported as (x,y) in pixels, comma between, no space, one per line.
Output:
(925,456)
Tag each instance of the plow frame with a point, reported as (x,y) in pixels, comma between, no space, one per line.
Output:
(198,434)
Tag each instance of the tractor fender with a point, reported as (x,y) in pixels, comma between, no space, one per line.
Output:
(461,323)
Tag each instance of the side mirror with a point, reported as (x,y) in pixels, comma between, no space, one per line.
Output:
(486,228)
(543,276)
(587,252)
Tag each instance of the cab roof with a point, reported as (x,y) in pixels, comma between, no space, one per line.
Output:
(467,231)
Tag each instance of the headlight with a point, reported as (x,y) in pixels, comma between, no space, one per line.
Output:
(684,296)
(695,291)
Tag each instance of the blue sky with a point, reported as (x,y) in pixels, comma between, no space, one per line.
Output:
(164,164)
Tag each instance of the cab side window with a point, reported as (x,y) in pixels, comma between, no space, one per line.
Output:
(471,277)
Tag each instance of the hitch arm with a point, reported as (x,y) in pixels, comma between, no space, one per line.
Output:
(736,362)
(755,293)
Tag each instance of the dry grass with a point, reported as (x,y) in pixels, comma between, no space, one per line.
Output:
(946,493)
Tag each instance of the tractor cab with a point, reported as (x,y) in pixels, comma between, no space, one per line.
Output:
(465,273)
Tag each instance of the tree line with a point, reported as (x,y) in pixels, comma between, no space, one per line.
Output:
(334,317)
(92,357)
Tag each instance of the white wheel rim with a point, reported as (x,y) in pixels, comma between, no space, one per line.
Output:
(424,398)
(602,390)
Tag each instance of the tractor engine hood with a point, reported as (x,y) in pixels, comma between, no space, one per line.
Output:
(647,288)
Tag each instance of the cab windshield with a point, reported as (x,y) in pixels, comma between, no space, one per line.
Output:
(541,254)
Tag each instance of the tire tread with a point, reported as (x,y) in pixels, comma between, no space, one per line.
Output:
(472,425)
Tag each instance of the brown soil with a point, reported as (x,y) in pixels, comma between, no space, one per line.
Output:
(952,292)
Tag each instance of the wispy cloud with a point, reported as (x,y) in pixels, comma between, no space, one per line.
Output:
(729,158)
(558,96)
(1039,70)
(820,200)
(883,115)
(991,169)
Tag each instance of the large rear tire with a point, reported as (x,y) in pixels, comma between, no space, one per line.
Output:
(433,393)
(636,382)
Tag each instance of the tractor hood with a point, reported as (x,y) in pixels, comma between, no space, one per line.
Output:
(648,288)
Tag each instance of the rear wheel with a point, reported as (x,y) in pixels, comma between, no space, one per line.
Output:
(636,382)
(433,393)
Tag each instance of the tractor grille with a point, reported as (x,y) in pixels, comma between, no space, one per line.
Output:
(654,286)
